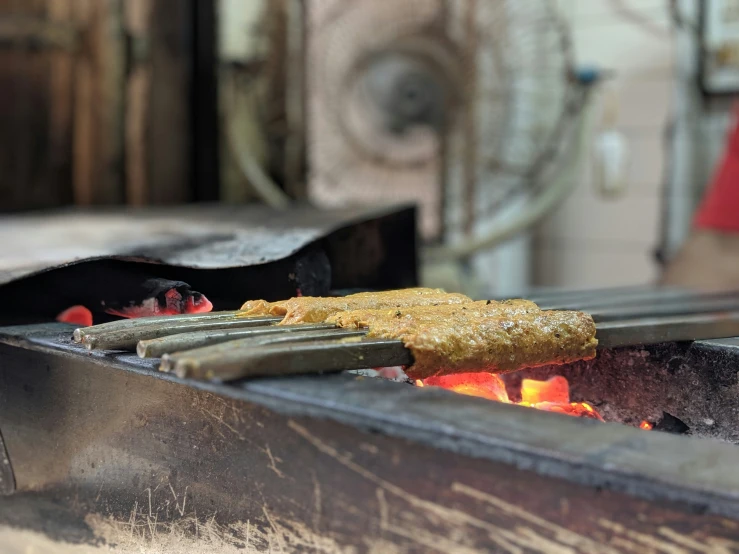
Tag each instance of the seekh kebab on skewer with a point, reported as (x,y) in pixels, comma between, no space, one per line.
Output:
(487,336)
(496,337)
(316,309)
(304,309)
(430,331)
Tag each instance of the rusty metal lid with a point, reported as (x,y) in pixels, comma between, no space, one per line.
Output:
(195,236)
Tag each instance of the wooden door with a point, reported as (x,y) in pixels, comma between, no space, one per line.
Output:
(96,103)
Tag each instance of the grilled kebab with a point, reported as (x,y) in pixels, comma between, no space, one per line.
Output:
(315,309)
(496,337)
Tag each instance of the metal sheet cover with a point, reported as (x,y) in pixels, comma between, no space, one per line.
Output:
(195,236)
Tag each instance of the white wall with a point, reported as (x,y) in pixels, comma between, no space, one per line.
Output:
(593,240)
(237,20)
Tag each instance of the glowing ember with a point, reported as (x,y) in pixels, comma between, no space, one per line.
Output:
(555,389)
(645,425)
(78,315)
(174,302)
(484,385)
(552,395)
(577,409)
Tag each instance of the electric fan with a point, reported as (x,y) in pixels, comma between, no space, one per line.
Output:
(462,106)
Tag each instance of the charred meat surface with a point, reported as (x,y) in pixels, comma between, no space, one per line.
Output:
(497,337)
(311,309)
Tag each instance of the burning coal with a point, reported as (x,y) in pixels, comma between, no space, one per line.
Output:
(552,395)
(148,297)
(77,315)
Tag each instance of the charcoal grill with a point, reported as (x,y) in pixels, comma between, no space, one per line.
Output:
(103,446)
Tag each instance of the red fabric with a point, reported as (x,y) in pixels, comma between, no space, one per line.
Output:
(720,207)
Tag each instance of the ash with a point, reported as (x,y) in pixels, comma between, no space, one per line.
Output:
(690,382)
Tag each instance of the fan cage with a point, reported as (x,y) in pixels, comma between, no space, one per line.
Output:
(508,66)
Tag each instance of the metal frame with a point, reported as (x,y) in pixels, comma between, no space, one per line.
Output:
(351,461)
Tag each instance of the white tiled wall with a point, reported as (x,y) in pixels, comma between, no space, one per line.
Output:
(593,240)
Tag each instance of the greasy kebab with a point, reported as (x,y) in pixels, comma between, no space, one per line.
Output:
(495,337)
(316,309)
(449,333)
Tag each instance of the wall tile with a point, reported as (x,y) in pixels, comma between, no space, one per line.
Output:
(566,8)
(642,102)
(610,9)
(588,267)
(591,241)
(624,48)
(589,220)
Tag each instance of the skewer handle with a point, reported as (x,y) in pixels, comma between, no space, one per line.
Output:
(298,358)
(137,323)
(128,338)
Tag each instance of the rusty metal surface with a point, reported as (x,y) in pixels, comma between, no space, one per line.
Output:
(7,479)
(651,465)
(196,236)
(300,250)
(333,464)
(329,463)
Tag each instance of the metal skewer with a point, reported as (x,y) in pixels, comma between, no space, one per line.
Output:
(215,362)
(697,304)
(298,358)
(656,330)
(596,298)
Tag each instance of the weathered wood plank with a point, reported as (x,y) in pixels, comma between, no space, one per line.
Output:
(61,103)
(32,175)
(204,99)
(169,119)
(137,16)
(98,123)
